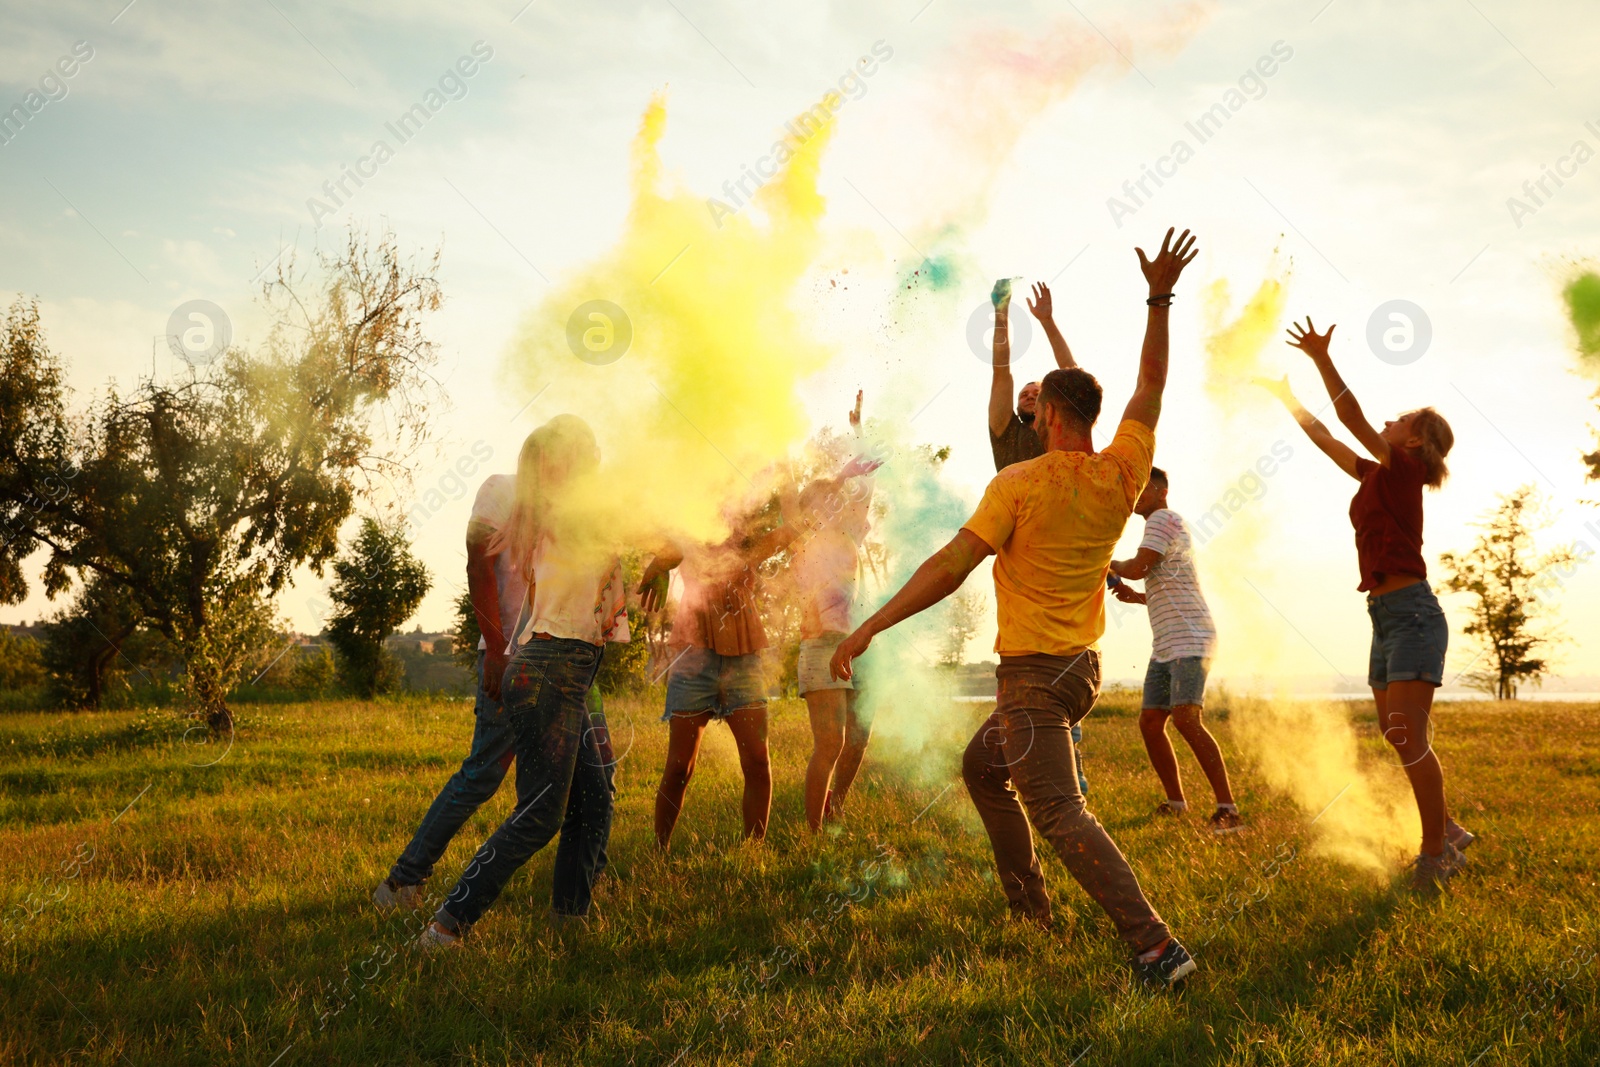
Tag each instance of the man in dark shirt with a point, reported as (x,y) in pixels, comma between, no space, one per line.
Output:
(1011,433)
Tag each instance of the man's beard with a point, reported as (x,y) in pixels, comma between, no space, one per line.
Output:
(1026,417)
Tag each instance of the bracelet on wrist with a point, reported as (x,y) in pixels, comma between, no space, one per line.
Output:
(1160,300)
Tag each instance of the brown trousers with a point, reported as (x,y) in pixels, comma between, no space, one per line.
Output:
(1027,745)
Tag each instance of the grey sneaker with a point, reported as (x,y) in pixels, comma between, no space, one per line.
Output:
(1166,808)
(1459,835)
(1224,821)
(1430,874)
(389,896)
(436,938)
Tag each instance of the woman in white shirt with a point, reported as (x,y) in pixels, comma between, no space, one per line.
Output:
(575,605)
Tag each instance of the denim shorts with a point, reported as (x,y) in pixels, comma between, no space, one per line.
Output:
(1409,637)
(700,680)
(815,655)
(1177,683)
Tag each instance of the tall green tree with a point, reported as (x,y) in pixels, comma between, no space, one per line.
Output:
(21,662)
(199,497)
(1509,584)
(377,585)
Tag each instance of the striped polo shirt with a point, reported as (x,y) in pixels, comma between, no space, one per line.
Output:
(1179,619)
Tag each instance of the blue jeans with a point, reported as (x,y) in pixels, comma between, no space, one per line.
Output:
(564,770)
(467,790)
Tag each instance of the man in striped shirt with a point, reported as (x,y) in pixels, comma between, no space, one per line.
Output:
(1184,639)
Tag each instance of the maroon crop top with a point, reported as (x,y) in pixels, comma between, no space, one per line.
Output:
(1387,515)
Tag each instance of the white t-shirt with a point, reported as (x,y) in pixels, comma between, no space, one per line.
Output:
(578,592)
(824,569)
(1179,619)
(492,507)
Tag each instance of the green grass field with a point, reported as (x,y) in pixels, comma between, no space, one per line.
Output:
(224,917)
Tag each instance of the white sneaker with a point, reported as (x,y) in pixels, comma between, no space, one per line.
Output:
(389,896)
(436,938)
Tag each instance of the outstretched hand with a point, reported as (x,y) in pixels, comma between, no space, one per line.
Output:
(1308,340)
(858,466)
(1040,305)
(1163,271)
(855,414)
(1000,295)
(851,647)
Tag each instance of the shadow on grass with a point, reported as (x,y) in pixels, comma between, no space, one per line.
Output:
(646,965)
(1290,978)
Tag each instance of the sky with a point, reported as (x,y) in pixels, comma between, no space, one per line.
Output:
(190,148)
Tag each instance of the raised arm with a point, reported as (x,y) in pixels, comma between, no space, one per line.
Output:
(1002,389)
(1345,405)
(1043,310)
(1162,273)
(1336,450)
(940,575)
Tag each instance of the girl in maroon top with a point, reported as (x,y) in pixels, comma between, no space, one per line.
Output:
(1409,632)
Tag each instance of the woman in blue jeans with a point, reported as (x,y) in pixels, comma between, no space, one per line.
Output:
(563,756)
(1409,631)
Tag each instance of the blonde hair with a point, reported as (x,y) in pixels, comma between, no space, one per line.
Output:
(552,454)
(1437,440)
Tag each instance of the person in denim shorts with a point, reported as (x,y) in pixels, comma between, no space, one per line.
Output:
(835,514)
(1180,652)
(716,671)
(1409,631)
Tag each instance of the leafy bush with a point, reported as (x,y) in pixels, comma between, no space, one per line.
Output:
(378,584)
(21,663)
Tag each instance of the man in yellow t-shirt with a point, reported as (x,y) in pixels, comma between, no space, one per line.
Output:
(1051,524)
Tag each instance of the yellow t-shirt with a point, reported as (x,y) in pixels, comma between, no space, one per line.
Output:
(1053,523)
